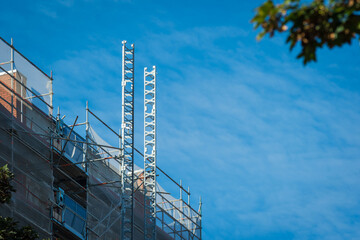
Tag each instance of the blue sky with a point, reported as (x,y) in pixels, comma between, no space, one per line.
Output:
(273,147)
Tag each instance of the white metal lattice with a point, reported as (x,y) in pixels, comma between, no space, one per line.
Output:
(127,133)
(150,153)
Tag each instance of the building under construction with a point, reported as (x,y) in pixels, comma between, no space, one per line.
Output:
(72,184)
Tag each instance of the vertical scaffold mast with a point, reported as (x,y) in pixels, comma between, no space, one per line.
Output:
(150,154)
(127,133)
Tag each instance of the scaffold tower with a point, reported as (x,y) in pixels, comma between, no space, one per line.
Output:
(150,154)
(127,142)
(71,181)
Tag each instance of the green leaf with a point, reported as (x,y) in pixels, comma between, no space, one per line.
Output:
(319,22)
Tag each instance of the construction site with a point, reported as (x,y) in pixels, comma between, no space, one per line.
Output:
(71,183)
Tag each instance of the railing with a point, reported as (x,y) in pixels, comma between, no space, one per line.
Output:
(72,216)
(175,220)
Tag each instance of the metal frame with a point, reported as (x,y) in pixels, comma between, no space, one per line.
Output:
(127,142)
(114,214)
(14,79)
(168,212)
(150,154)
(22,123)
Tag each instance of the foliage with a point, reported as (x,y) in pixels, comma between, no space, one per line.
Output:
(9,229)
(315,24)
(5,187)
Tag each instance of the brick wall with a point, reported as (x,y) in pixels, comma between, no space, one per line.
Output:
(6,94)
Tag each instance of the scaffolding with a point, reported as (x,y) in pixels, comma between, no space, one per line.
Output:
(127,126)
(25,106)
(150,153)
(69,185)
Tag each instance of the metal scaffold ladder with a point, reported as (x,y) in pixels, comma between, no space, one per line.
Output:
(150,153)
(127,133)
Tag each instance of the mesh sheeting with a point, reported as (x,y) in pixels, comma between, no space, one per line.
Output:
(176,217)
(104,192)
(34,179)
(28,116)
(74,147)
(28,158)
(105,219)
(105,152)
(108,152)
(5,55)
(103,201)
(36,82)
